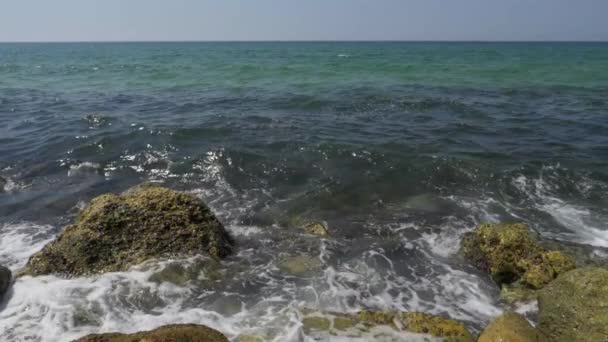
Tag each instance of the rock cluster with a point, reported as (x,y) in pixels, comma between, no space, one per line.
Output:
(572,302)
(510,254)
(115,232)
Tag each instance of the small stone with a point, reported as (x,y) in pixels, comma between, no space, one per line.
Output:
(319,229)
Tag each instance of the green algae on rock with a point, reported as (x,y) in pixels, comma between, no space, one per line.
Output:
(319,229)
(574,307)
(422,323)
(509,253)
(169,333)
(115,232)
(413,322)
(511,327)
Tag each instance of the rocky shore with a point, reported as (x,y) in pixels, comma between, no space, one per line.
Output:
(116,232)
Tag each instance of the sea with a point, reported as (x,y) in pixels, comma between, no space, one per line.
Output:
(399,148)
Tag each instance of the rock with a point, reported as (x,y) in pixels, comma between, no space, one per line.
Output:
(512,293)
(574,307)
(359,323)
(510,254)
(5,280)
(319,229)
(511,327)
(115,232)
(169,333)
(300,265)
(248,338)
(201,271)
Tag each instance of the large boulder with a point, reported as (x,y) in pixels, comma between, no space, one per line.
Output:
(5,280)
(574,307)
(169,333)
(115,232)
(510,254)
(511,327)
(359,324)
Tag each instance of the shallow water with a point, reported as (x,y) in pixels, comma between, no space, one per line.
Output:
(400,148)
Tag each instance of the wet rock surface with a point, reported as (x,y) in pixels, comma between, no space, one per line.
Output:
(511,327)
(359,324)
(169,333)
(574,307)
(511,255)
(5,280)
(115,232)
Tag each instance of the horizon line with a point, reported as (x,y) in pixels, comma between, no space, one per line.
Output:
(300,41)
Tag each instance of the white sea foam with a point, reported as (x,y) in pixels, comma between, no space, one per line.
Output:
(84,167)
(51,309)
(20,240)
(587,227)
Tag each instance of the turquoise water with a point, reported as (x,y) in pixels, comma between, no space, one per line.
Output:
(399,147)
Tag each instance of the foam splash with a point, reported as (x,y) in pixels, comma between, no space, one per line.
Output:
(83,168)
(53,309)
(20,240)
(9,185)
(587,227)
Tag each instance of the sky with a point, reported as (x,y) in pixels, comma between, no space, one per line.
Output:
(164,20)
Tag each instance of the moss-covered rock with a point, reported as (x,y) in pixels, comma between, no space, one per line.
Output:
(248,338)
(5,280)
(421,323)
(169,333)
(574,307)
(509,253)
(511,327)
(115,232)
(412,322)
(315,323)
(318,229)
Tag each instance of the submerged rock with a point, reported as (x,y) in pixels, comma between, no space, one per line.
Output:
(5,280)
(300,265)
(169,333)
(510,254)
(511,327)
(574,307)
(356,325)
(115,232)
(319,229)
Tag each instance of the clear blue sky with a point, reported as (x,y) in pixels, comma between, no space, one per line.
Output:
(117,20)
